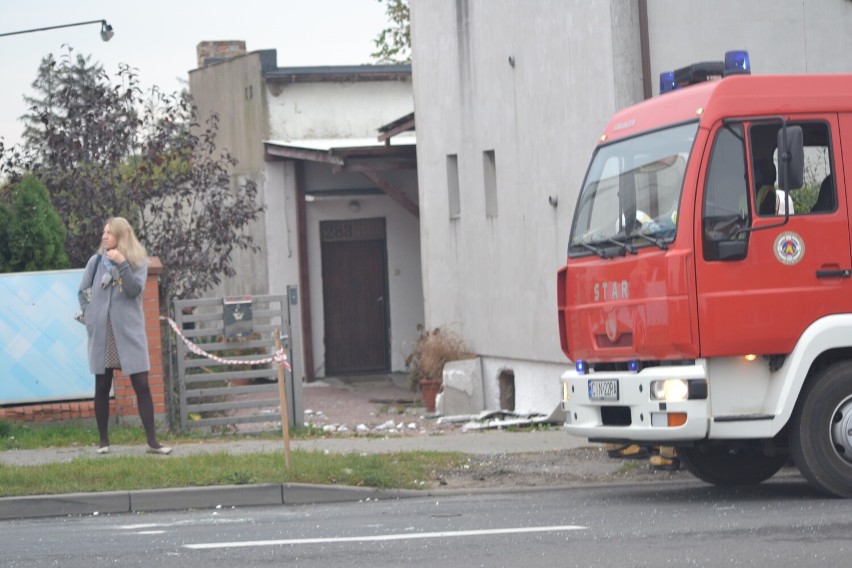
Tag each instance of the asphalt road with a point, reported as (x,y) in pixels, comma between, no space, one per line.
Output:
(778,524)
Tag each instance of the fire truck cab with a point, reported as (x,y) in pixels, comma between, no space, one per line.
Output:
(706,300)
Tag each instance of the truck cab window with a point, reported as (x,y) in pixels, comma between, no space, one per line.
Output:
(725,209)
(817,194)
(632,192)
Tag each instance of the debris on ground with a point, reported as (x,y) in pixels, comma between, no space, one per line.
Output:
(490,419)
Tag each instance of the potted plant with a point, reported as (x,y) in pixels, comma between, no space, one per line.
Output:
(426,361)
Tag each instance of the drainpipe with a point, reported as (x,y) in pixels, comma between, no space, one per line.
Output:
(304,278)
(645,49)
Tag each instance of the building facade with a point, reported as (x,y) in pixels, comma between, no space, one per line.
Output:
(510,98)
(341,219)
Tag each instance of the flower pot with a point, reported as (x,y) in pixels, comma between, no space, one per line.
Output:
(428,392)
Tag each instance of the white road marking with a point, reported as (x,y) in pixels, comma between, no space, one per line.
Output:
(384,538)
(192,522)
(139,526)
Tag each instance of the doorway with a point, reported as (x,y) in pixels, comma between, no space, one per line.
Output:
(355,307)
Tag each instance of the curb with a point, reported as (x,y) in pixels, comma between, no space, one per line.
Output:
(150,500)
(189,498)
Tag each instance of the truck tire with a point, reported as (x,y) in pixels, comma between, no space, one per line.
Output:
(821,438)
(727,465)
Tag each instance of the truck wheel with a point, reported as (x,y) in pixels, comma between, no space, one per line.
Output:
(821,440)
(726,465)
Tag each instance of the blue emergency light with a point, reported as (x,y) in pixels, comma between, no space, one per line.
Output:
(667,82)
(581,367)
(737,63)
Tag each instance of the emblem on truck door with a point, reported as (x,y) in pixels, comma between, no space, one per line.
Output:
(612,328)
(789,248)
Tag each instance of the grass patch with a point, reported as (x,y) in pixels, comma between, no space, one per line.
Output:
(404,470)
(531,427)
(629,466)
(15,436)
(24,437)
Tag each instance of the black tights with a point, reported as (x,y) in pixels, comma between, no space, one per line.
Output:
(103,384)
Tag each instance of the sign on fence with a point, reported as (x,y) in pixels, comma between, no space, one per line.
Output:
(238,317)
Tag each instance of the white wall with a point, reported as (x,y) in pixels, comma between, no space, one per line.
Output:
(781,36)
(335,110)
(495,276)
(536,384)
(282,231)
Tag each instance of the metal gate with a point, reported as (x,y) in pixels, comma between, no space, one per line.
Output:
(218,394)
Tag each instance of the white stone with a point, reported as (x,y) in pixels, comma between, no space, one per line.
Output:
(463,388)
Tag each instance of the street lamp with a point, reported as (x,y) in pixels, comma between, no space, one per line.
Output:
(106,29)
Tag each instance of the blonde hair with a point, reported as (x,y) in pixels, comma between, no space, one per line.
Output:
(126,242)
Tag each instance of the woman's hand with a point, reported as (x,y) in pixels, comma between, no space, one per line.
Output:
(115,256)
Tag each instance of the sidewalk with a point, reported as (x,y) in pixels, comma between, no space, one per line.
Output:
(480,443)
(336,405)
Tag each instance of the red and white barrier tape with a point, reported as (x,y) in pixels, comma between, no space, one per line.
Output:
(279,357)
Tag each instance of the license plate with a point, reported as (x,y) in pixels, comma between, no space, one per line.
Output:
(600,389)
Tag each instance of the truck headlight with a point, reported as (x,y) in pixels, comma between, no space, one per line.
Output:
(670,390)
(678,390)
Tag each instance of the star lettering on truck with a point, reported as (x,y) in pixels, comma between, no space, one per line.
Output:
(610,291)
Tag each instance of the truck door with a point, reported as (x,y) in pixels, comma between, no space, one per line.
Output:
(762,297)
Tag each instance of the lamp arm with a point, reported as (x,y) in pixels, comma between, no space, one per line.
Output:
(102,22)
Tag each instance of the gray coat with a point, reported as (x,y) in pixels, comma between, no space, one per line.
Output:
(123,304)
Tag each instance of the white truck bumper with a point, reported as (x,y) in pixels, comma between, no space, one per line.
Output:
(620,405)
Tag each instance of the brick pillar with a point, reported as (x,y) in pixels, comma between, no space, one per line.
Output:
(209,52)
(124,402)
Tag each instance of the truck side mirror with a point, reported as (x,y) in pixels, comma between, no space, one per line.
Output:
(791,157)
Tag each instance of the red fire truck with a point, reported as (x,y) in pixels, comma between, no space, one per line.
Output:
(706,300)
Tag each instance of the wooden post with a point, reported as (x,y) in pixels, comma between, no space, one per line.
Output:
(282,397)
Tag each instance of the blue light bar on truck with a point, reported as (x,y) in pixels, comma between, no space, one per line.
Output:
(736,63)
(699,72)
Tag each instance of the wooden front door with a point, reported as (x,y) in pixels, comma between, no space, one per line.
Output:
(354,276)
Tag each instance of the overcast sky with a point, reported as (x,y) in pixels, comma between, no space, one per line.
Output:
(158,37)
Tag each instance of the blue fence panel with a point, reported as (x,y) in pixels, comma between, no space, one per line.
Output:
(42,348)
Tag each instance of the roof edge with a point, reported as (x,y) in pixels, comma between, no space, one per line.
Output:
(337,73)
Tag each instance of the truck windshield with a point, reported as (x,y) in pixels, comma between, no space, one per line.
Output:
(631,194)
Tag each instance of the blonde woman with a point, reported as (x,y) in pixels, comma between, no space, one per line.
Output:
(115,325)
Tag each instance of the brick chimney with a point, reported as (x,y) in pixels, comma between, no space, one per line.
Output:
(209,52)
